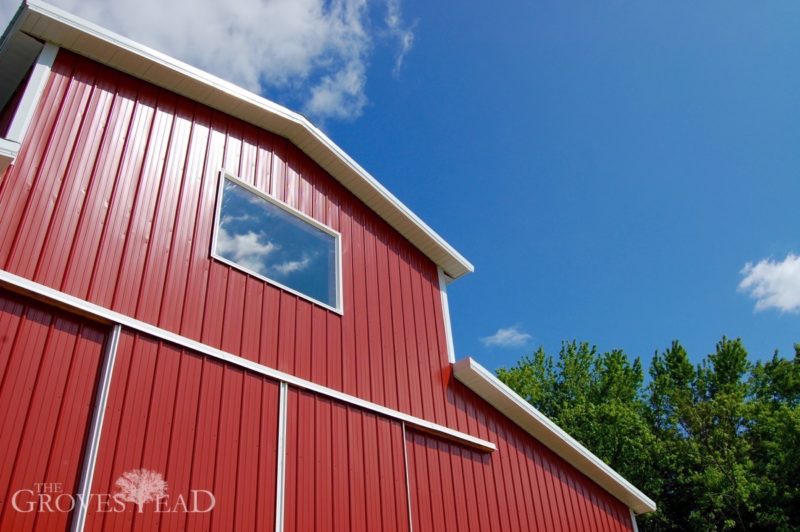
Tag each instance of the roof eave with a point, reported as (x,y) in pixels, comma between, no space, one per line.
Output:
(51,24)
(492,390)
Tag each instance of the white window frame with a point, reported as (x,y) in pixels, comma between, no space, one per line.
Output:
(223,175)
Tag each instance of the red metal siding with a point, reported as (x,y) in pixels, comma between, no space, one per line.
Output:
(202,424)
(112,199)
(49,363)
(344,468)
(521,486)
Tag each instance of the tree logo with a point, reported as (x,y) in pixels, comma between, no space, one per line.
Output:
(141,486)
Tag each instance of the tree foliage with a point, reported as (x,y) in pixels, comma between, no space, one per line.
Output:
(716,445)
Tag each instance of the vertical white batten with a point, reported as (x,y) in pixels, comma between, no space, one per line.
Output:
(281,473)
(633,521)
(95,431)
(448,330)
(408,483)
(33,92)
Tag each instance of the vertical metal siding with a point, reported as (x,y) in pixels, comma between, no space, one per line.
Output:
(344,468)
(49,363)
(522,486)
(112,199)
(198,422)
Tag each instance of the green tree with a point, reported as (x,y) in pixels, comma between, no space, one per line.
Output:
(596,398)
(717,445)
(774,438)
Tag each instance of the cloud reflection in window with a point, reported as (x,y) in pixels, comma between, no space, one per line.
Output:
(263,238)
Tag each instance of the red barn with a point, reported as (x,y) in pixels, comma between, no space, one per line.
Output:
(212,318)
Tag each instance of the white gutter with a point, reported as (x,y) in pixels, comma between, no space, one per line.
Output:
(485,384)
(51,24)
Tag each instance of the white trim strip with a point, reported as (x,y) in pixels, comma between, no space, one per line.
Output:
(633,520)
(281,464)
(8,152)
(490,388)
(8,149)
(33,92)
(408,482)
(71,302)
(96,430)
(448,329)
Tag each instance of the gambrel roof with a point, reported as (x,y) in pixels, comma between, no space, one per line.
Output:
(51,24)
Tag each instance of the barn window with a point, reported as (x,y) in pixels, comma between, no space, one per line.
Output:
(274,242)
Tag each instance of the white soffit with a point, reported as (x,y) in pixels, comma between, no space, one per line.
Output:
(485,384)
(51,24)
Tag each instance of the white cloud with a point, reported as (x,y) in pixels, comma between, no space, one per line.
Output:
(339,95)
(773,284)
(399,31)
(293,266)
(313,51)
(230,218)
(507,337)
(245,249)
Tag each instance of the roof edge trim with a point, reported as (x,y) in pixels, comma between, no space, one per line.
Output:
(509,403)
(106,47)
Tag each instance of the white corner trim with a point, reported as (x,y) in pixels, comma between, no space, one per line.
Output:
(96,430)
(9,146)
(33,92)
(51,24)
(503,398)
(8,152)
(51,295)
(448,329)
(280,486)
(8,149)
(633,520)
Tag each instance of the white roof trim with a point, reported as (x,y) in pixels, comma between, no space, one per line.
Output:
(51,24)
(485,384)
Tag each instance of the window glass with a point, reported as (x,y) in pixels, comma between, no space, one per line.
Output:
(267,240)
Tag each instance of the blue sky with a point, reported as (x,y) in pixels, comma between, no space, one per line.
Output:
(609,167)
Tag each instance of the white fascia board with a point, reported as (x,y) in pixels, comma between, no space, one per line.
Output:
(492,390)
(51,24)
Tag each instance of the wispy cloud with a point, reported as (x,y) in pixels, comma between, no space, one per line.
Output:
(339,95)
(229,218)
(507,337)
(398,30)
(245,249)
(773,284)
(313,52)
(293,266)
